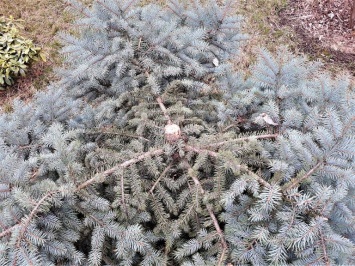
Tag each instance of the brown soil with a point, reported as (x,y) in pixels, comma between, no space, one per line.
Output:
(24,87)
(323,29)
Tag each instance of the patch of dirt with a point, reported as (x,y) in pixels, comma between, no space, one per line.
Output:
(25,87)
(323,27)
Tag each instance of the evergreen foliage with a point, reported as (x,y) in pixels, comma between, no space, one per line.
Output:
(152,150)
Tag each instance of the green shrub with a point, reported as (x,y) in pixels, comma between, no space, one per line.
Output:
(16,52)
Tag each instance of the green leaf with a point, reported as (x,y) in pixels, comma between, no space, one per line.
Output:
(8,81)
(22,72)
(43,57)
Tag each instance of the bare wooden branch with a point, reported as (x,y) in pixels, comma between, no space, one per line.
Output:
(218,144)
(258,178)
(32,214)
(103,131)
(297,181)
(195,179)
(24,224)
(107,8)
(162,107)
(8,230)
(161,176)
(79,9)
(325,255)
(128,5)
(199,150)
(123,200)
(220,233)
(125,164)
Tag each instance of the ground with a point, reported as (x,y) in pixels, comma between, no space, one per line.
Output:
(41,20)
(323,29)
(317,27)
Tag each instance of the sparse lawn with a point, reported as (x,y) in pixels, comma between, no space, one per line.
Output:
(43,19)
(261,24)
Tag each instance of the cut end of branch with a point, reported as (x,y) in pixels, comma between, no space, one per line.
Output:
(172,132)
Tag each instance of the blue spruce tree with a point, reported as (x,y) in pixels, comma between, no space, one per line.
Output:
(152,150)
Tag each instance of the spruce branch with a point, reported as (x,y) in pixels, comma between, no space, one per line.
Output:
(107,8)
(325,255)
(220,233)
(242,167)
(179,15)
(199,150)
(125,164)
(211,213)
(8,231)
(348,126)
(128,5)
(123,200)
(97,220)
(193,175)
(297,181)
(162,107)
(160,177)
(266,136)
(30,217)
(104,131)
(5,190)
(79,9)
(227,9)
(258,178)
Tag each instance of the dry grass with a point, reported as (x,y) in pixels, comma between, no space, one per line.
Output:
(41,20)
(261,23)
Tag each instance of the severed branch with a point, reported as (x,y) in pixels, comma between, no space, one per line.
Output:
(125,164)
(162,107)
(297,181)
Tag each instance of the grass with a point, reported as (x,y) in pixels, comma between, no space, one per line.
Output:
(261,23)
(43,19)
